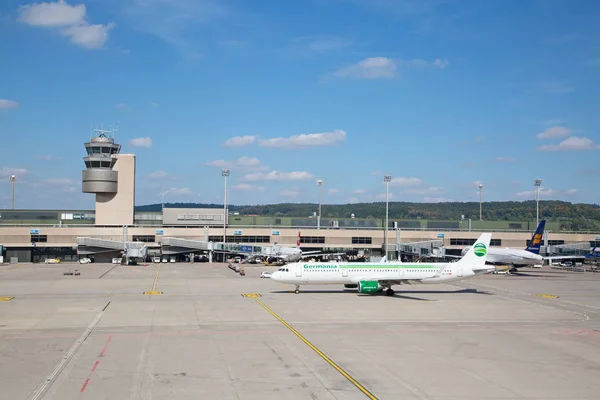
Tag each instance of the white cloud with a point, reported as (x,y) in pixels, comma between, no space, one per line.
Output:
(239,141)
(247,187)
(155,105)
(376,173)
(370,68)
(290,193)
(13,171)
(543,192)
(306,140)
(244,163)
(572,143)
(121,105)
(572,191)
(428,190)
(505,159)
(171,20)
(359,191)
(160,175)
(403,181)
(353,200)
(141,142)
(71,19)
(177,192)
(333,191)
(554,132)
(278,176)
(89,36)
(384,67)
(52,14)
(437,200)
(5,104)
(381,196)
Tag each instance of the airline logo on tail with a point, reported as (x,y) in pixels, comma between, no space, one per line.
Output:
(480,249)
(298,241)
(536,239)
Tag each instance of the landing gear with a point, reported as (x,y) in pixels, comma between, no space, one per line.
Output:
(297,289)
(389,292)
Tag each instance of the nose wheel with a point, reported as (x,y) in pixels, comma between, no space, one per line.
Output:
(297,289)
(389,292)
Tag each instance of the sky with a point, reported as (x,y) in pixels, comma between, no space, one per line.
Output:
(441,95)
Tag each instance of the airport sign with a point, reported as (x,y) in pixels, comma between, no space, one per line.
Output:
(237,232)
(440,235)
(160,232)
(34,231)
(275,233)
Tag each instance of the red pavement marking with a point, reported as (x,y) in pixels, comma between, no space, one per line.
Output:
(85,385)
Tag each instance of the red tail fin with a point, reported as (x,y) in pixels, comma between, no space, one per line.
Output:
(298,241)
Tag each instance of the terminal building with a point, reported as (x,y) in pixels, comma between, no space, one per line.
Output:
(115,229)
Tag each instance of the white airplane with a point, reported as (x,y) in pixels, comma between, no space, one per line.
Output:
(517,257)
(285,254)
(375,277)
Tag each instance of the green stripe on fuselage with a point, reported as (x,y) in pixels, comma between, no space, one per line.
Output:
(372,266)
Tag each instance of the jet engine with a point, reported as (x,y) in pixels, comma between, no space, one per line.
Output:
(350,286)
(369,286)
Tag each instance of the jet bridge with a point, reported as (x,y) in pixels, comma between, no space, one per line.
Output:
(95,246)
(427,248)
(571,249)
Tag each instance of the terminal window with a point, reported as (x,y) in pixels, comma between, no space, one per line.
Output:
(362,240)
(241,239)
(39,238)
(496,242)
(594,243)
(462,242)
(312,239)
(555,242)
(144,238)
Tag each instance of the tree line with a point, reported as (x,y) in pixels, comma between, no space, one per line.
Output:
(572,216)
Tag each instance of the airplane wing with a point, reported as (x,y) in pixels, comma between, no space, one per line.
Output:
(319,253)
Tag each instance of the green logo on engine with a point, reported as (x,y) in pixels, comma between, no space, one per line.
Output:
(480,250)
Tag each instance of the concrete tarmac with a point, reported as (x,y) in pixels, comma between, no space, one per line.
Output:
(97,336)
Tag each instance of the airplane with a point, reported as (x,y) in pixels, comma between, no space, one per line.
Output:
(516,258)
(286,254)
(375,277)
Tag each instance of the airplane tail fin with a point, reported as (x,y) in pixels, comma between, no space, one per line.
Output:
(298,240)
(536,239)
(477,254)
(593,253)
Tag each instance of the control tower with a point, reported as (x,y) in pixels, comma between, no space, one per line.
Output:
(111,176)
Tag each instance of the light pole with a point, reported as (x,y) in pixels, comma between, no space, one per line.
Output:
(537,184)
(225,174)
(13,179)
(480,200)
(320,184)
(387,179)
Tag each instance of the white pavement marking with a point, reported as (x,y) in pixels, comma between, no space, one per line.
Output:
(59,367)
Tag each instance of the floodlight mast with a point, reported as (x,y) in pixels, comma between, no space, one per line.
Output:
(387,179)
(537,184)
(225,174)
(13,179)
(320,184)
(480,201)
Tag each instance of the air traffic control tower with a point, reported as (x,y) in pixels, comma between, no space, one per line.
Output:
(111,176)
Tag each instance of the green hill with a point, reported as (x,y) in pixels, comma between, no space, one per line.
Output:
(571,216)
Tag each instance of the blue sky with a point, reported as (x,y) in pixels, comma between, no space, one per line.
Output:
(440,94)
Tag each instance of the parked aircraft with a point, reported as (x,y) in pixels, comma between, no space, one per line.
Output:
(516,258)
(376,277)
(285,254)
